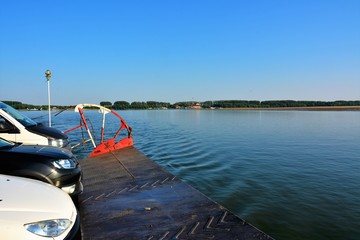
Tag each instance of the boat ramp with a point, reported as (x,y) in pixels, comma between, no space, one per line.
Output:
(129,196)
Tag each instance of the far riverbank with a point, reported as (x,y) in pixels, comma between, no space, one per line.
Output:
(327,108)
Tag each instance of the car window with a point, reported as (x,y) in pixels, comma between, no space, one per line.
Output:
(24,120)
(5,125)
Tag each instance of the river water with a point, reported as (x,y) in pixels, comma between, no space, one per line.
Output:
(292,174)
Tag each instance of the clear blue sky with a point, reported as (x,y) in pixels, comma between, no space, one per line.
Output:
(178,50)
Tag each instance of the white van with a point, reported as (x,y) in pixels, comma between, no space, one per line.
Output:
(18,128)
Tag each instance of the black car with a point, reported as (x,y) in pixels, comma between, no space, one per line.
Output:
(53,165)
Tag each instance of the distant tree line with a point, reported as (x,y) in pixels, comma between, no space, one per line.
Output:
(266,104)
(124,105)
(275,104)
(23,106)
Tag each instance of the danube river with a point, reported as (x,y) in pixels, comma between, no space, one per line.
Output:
(293,174)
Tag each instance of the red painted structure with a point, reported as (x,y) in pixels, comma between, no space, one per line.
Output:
(110,144)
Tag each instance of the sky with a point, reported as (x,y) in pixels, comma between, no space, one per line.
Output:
(179,50)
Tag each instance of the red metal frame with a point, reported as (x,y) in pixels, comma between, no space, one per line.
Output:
(105,145)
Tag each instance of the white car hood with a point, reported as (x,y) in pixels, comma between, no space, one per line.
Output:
(30,200)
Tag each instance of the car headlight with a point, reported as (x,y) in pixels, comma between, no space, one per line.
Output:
(64,163)
(49,228)
(58,142)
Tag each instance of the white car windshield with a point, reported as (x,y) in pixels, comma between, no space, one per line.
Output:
(24,120)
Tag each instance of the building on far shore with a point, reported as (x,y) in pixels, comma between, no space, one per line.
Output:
(196,106)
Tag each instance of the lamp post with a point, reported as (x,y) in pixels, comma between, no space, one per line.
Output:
(48,76)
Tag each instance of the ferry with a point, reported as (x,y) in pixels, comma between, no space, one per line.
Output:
(129,196)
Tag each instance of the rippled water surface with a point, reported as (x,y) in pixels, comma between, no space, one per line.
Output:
(293,174)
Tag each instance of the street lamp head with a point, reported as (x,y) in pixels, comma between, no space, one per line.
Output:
(48,74)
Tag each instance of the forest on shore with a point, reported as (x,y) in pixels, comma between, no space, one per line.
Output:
(219,104)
